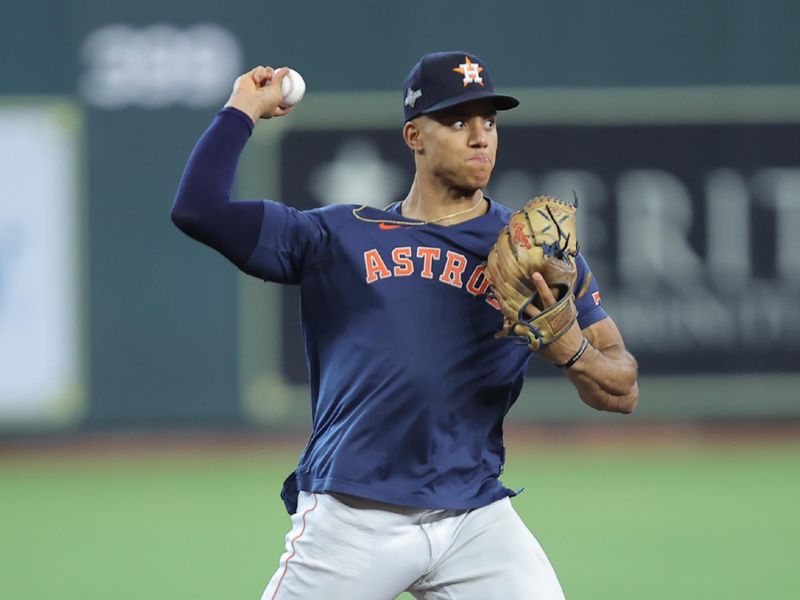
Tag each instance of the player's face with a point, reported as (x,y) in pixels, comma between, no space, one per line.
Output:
(459,144)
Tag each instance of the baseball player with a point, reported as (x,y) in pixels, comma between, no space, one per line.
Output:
(399,485)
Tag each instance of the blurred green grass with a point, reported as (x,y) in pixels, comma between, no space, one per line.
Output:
(633,521)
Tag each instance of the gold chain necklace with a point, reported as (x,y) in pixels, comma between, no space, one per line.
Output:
(393,222)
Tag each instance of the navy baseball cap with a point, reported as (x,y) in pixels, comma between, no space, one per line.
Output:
(443,79)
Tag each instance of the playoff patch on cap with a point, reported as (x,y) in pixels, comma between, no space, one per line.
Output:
(444,79)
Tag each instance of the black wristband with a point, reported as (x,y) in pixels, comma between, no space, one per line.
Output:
(576,356)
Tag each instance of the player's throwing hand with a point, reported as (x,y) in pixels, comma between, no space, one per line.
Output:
(258,93)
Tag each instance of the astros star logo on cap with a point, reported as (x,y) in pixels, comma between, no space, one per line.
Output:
(471,72)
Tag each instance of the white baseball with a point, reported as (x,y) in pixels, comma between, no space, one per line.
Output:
(293,88)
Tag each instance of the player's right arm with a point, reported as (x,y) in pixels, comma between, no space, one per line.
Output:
(203,208)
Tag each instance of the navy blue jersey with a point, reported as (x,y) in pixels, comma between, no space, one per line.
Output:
(409,386)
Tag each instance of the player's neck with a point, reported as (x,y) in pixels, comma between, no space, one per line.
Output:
(440,204)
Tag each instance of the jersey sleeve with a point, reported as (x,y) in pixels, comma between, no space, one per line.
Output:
(203,208)
(587,295)
(290,242)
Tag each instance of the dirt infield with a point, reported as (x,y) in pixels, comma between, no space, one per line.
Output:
(198,442)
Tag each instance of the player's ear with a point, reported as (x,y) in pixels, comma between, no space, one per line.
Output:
(411,135)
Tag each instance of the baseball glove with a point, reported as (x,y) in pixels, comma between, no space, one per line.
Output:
(541,237)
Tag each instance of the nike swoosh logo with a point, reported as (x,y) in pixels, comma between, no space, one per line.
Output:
(386,226)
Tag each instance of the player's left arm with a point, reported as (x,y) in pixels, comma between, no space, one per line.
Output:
(605,375)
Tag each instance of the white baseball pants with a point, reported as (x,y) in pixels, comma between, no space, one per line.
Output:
(346,548)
